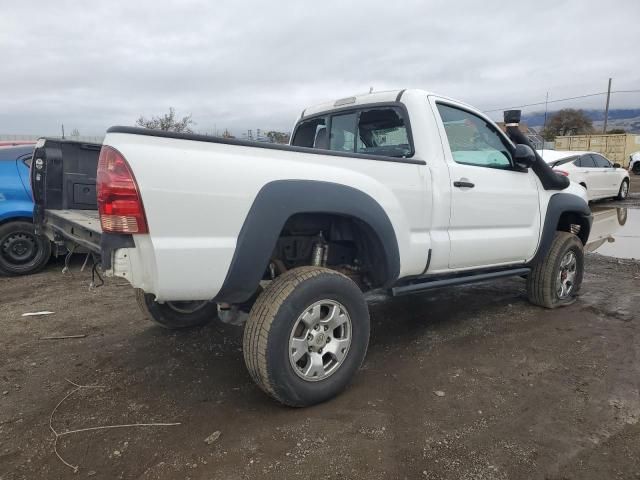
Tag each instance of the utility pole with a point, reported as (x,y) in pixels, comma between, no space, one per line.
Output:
(606,109)
(544,125)
(63,131)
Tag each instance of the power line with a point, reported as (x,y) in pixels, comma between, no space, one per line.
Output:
(560,100)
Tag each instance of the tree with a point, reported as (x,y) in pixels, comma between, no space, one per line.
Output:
(278,137)
(167,122)
(616,131)
(567,121)
(75,133)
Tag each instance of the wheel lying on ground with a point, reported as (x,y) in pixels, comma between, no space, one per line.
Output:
(22,251)
(306,336)
(624,190)
(176,315)
(555,280)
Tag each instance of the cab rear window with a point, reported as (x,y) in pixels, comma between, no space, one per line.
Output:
(379,131)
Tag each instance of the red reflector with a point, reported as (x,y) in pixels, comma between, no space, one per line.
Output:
(564,173)
(119,202)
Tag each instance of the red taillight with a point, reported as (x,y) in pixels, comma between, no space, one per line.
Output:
(564,173)
(119,201)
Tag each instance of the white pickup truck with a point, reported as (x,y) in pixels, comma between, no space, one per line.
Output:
(401,190)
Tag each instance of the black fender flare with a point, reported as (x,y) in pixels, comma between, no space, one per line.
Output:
(274,204)
(559,204)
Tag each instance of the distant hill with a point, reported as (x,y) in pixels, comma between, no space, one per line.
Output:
(628,118)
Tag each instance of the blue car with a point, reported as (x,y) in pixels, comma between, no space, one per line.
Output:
(21,250)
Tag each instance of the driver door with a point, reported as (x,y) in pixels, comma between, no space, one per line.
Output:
(495,211)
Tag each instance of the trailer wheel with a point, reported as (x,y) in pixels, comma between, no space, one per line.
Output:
(555,280)
(176,315)
(306,336)
(22,252)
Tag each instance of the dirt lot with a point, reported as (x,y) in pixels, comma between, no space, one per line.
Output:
(529,393)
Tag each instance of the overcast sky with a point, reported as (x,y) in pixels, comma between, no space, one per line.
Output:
(244,65)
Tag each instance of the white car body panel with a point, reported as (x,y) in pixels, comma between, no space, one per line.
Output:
(195,219)
(599,182)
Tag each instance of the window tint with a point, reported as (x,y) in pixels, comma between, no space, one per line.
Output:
(601,162)
(585,162)
(343,129)
(382,131)
(311,133)
(474,141)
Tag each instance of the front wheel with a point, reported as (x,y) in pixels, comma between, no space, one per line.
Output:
(176,315)
(22,252)
(555,280)
(306,336)
(624,190)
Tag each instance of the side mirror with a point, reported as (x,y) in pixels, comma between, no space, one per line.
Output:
(616,165)
(524,156)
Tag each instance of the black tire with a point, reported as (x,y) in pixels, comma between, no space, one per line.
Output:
(270,328)
(176,315)
(22,252)
(622,192)
(542,286)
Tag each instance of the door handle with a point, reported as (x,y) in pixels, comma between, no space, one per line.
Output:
(463,184)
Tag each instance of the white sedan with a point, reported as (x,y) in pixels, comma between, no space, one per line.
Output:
(599,176)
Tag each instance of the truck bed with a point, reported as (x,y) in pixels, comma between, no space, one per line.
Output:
(63,181)
(81,227)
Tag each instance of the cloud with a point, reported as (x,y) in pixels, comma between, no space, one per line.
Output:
(243,65)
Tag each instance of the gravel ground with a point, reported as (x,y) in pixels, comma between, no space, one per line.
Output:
(522,392)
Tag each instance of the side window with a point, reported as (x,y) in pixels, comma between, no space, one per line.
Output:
(312,134)
(343,127)
(601,162)
(27,160)
(586,161)
(474,141)
(382,131)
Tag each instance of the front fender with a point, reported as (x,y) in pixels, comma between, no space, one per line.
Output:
(574,203)
(15,209)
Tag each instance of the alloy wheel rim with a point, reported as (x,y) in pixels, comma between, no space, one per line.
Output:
(567,273)
(320,340)
(18,248)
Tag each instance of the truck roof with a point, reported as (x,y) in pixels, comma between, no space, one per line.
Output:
(362,99)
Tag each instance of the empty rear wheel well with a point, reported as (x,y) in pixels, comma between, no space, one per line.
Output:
(335,241)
